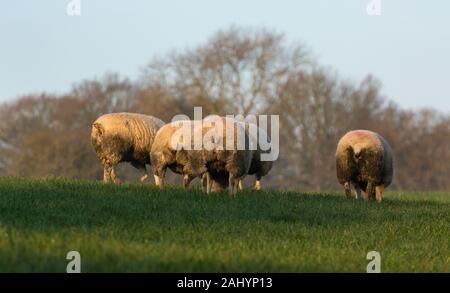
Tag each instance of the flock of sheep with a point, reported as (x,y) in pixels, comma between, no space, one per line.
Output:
(363,158)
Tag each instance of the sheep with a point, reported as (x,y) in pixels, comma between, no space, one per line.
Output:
(258,167)
(166,152)
(198,159)
(218,180)
(229,160)
(124,137)
(364,159)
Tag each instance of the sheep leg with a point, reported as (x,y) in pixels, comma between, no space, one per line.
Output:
(204,183)
(161,181)
(141,167)
(357,192)
(369,191)
(348,191)
(157,181)
(187,181)
(144,171)
(231,185)
(159,177)
(145,176)
(379,192)
(114,176)
(208,183)
(258,183)
(241,185)
(106,173)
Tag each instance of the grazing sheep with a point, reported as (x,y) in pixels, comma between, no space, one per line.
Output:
(230,160)
(124,137)
(218,181)
(167,153)
(192,159)
(258,167)
(364,159)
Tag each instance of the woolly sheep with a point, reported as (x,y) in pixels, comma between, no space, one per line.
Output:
(223,160)
(364,159)
(166,152)
(124,137)
(258,167)
(197,160)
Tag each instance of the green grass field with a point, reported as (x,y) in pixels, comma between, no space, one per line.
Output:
(138,228)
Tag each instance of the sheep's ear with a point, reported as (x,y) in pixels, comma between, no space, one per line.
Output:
(99,128)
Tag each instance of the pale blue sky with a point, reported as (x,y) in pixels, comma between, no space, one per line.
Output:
(407,47)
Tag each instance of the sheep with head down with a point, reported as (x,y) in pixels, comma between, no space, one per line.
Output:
(258,166)
(124,137)
(225,153)
(364,159)
(201,149)
(168,152)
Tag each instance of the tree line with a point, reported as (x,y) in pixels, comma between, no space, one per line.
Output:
(236,71)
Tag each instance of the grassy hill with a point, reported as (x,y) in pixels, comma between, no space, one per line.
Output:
(138,228)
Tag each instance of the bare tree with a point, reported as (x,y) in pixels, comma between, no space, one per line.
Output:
(236,71)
